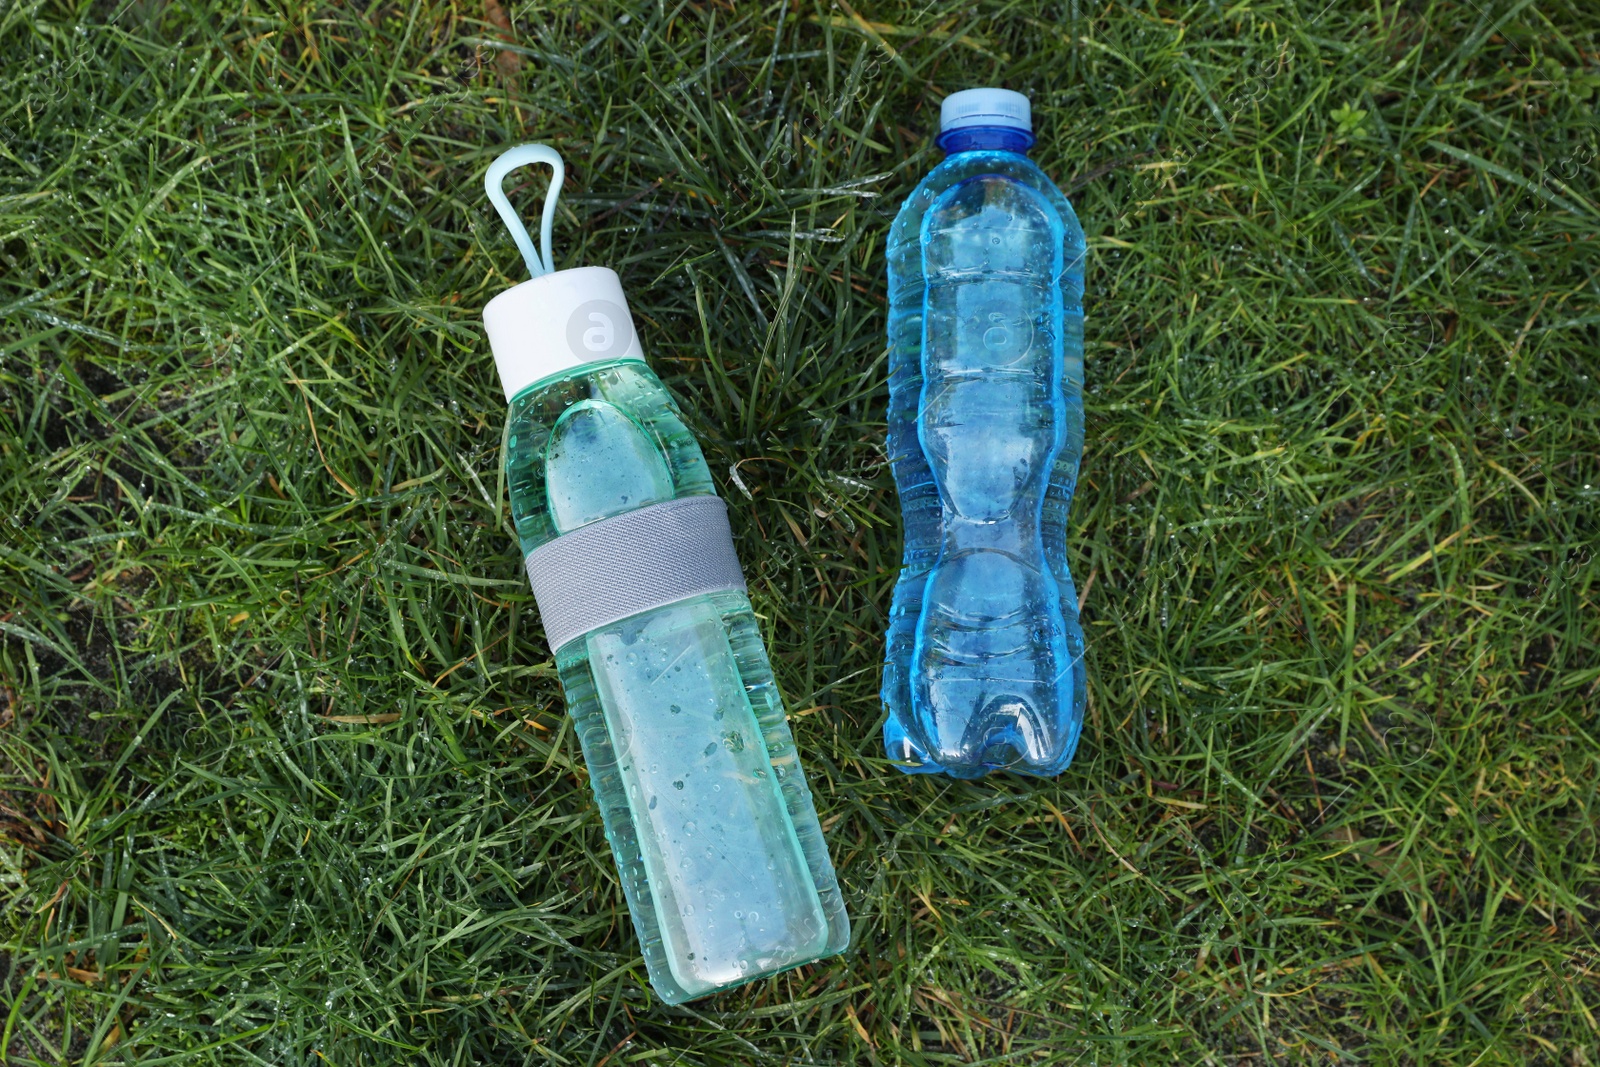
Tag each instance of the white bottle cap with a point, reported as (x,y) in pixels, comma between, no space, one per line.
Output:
(559,321)
(985,107)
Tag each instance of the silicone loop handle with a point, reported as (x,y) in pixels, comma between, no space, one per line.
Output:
(493,182)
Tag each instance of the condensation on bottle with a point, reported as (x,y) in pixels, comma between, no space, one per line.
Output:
(707,811)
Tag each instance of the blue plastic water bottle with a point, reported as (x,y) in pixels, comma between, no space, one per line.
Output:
(985,654)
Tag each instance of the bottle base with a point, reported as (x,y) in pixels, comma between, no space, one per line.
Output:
(910,758)
(671,992)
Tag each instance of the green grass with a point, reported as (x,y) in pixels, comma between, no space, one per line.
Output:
(286,778)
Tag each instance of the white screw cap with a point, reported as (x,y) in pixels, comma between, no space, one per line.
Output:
(985,107)
(559,321)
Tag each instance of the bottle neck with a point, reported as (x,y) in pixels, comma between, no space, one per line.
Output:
(985,139)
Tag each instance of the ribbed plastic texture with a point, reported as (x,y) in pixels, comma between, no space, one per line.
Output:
(708,814)
(985,107)
(985,654)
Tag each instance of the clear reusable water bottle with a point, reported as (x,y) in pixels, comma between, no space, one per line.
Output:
(628,548)
(984,666)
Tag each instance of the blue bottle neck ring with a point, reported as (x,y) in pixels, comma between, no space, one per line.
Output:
(985,138)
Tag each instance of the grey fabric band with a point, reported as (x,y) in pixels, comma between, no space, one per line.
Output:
(629,563)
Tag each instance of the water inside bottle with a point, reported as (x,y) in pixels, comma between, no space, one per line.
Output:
(985,655)
(731,890)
